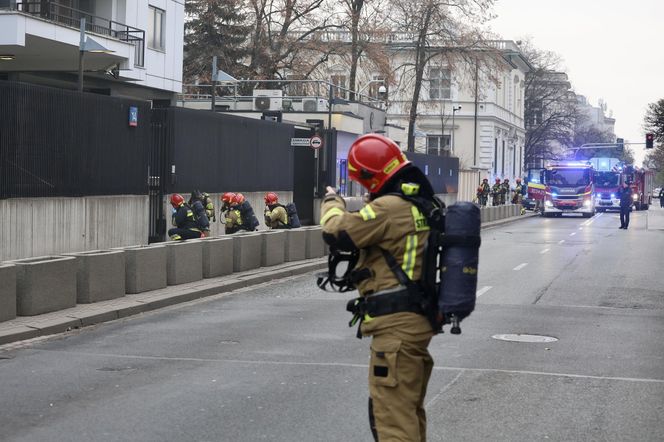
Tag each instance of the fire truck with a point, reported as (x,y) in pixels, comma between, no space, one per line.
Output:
(568,188)
(608,174)
(534,198)
(640,181)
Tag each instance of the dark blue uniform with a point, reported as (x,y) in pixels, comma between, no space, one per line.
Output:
(185,224)
(625,195)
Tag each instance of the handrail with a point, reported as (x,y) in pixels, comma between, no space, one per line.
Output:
(71,17)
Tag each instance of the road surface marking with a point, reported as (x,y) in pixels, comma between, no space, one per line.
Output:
(444,389)
(561,241)
(580,228)
(572,234)
(520,266)
(336,364)
(483,290)
(544,251)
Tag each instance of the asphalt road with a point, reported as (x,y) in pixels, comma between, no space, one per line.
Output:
(278,363)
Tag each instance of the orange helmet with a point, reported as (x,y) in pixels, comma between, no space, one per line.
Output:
(227,197)
(238,198)
(177,200)
(271,198)
(374,159)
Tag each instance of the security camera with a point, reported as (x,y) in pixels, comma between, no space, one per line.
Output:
(382,89)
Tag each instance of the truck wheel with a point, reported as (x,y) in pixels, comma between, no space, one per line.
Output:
(645,206)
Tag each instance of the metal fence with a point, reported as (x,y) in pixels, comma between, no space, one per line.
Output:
(56,142)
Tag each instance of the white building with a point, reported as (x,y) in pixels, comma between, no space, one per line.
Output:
(595,116)
(477,118)
(39,43)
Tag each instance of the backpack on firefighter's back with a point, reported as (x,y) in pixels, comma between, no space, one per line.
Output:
(449,273)
(249,220)
(293,219)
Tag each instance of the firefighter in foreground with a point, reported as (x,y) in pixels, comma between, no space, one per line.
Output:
(400,364)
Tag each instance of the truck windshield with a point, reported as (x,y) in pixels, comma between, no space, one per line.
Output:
(568,177)
(607,179)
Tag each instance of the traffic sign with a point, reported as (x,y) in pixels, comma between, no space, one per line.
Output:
(300,142)
(316,142)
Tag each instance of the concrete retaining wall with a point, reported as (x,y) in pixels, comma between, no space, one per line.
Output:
(217,256)
(184,261)
(296,245)
(273,248)
(50,226)
(315,246)
(45,284)
(100,275)
(247,248)
(145,268)
(7,292)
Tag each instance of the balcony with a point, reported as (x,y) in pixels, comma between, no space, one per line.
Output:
(63,15)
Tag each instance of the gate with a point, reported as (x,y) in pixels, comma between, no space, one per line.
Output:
(157,175)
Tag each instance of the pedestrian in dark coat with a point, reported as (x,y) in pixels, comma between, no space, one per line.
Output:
(625,196)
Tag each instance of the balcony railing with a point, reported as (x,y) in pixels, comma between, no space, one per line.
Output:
(70,17)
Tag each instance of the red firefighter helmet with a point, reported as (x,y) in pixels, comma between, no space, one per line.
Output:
(177,200)
(518,180)
(271,198)
(238,198)
(227,197)
(374,159)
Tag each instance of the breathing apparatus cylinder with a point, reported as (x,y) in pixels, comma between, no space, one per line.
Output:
(459,261)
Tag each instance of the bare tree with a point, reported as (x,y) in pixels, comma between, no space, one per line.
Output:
(437,28)
(550,107)
(285,29)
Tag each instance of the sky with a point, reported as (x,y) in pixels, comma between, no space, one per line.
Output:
(612,50)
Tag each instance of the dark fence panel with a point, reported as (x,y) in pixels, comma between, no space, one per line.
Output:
(443,172)
(220,152)
(56,142)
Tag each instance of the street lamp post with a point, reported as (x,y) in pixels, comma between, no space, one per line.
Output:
(455,109)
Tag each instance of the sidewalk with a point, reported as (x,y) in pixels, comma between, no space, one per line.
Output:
(509,220)
(28,327)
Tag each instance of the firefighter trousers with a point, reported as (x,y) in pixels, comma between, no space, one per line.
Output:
(179,234)
(399,372)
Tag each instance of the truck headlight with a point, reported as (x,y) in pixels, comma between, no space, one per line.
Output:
(548,203)
(587,203)
(635,197)
(613,196)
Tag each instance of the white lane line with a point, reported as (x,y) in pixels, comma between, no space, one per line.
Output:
(520,266)
(544,251)
(561,241)
(444,389)
(483,290)
(580,228)
(339,364)
(572,234)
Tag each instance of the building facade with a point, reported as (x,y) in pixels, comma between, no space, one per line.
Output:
(141,40)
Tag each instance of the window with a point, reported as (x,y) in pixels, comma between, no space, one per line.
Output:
(439,83)
(340,82)
(502,167)
(156,28)
(495,156)
(438,145)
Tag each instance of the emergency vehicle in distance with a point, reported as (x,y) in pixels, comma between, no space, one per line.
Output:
(608,179)
(568,188)
(640,181)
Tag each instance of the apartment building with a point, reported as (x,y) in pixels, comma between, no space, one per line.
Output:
(139,49)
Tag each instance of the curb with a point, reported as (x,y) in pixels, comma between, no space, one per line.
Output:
(509,220)
(84,315)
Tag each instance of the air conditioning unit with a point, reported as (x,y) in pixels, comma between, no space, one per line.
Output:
(267,99)
(314,105)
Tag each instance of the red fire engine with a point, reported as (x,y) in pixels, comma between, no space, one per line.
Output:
(640,181)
